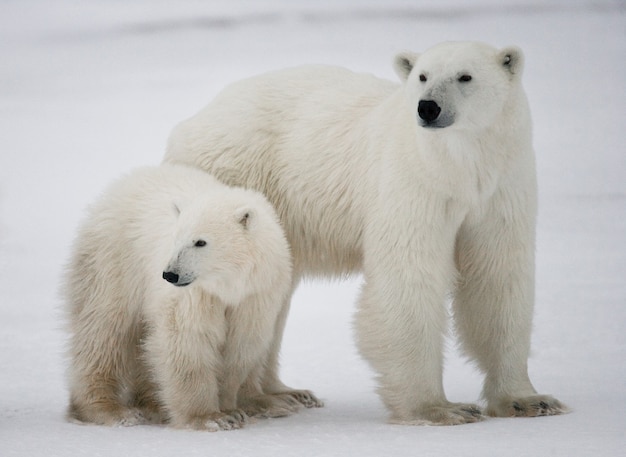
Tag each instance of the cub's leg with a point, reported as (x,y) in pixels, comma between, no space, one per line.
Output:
(146,396)
(183,349)
(103,363)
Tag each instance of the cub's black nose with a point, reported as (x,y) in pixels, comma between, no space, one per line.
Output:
(170,276)
(428,110)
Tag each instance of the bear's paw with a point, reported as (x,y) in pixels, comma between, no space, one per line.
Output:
(444,414)
(304,397)
(270,406)
(532,406)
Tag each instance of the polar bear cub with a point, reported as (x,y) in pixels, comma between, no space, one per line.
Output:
(173,292)
(427,187)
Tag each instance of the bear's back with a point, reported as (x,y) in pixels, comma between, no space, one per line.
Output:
(289,94)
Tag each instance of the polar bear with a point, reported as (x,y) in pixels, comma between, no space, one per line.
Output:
(428,187)
(173,292)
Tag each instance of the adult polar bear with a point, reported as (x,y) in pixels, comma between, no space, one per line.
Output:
(428,187)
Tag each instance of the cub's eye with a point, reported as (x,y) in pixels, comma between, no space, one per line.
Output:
(200,243)
(423,78)
(465,78)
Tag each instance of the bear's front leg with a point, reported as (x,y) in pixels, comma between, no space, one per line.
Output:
(404,344)
(402,317)
(493,307)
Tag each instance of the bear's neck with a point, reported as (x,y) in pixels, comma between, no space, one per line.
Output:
(469,164)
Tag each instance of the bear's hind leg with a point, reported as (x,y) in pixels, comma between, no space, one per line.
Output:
(271,383)
(255,403)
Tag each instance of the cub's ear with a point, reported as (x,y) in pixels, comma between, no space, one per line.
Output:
(176,208)
(245,216)
(512,60)
(179,203)
(403,63)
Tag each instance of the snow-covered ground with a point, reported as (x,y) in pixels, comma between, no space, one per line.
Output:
(90,89)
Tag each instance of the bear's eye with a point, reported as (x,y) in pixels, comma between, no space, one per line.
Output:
(465,78)
(423,78)
(200,243)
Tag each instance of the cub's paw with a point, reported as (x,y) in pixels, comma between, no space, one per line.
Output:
(130,418)
(151,409)
(214,422)
(445,414)
(231,420)
(533,406)
(113,415)
(153,416)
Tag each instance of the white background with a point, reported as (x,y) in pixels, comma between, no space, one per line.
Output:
(90,89)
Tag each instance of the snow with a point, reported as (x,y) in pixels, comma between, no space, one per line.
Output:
(91,89)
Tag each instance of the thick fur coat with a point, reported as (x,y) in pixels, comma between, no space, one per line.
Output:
(173,293)
(428,187)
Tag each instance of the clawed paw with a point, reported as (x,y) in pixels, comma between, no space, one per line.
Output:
(305,398)
(230,420)
(280,404)
(131,418)
(533,406)
(446,414)
(270,406)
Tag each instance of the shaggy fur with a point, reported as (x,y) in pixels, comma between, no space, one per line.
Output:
(427,187)
(191,350)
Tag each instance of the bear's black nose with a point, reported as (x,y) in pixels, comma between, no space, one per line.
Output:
(170,276)
(428,110)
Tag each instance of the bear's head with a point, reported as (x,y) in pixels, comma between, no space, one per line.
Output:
(219,244)
(460,85)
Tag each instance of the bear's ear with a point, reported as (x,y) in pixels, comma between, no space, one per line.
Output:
(403,63)
(512,59)
(245,216)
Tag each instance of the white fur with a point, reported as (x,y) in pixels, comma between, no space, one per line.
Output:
(361,182)
(143,349)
